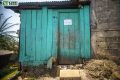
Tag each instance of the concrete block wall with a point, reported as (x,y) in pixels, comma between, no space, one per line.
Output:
(105,29)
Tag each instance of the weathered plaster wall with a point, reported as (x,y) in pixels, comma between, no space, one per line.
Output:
(105,29)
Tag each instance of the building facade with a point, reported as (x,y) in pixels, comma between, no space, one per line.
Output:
(69,31)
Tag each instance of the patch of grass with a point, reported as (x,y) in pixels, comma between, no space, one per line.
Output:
(10,75)
(8,69)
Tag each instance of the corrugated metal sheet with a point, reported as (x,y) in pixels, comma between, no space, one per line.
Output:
(25,1)
(37,4)
(30,1)
(22,1)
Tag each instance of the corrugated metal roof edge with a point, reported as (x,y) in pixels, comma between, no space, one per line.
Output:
(46,1)
(57,1)
(37,5)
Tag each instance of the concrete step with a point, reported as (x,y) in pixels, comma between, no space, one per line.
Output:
(70,75)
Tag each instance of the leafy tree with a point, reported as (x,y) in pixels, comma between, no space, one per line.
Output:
(5,26)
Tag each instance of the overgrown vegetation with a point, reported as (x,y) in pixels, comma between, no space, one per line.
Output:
(7,70)
(7,41)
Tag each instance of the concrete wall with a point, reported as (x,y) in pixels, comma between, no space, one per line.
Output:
(105,29)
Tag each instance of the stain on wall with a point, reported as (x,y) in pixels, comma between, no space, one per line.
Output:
(105,29)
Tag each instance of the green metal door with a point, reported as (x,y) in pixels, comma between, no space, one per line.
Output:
(69,43)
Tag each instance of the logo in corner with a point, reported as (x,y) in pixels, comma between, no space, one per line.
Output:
(10,3)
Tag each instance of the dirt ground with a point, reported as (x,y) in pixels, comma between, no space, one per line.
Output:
(90,70)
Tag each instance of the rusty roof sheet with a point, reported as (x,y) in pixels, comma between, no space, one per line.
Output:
(37,4)
(30,1)
(24,1)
